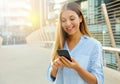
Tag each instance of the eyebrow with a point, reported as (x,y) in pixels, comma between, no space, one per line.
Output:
(70,17)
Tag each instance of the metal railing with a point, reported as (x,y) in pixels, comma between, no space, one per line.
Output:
(105,28)
(109,57)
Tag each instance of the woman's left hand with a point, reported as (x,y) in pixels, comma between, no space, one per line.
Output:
(66,63)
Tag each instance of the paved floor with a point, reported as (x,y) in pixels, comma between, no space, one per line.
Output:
(25,64)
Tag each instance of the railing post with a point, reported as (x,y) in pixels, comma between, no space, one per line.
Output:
(110,33)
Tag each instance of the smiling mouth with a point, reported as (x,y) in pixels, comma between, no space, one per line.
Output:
(69,28)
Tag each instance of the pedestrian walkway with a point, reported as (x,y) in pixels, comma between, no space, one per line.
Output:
(23,64)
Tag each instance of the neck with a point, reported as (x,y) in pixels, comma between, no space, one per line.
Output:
(75,37)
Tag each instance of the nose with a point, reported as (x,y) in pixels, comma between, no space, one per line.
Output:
(68,23)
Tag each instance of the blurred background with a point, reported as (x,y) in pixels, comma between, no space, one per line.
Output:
(28,27)
(18,18)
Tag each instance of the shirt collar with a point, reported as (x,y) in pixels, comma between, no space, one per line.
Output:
(85,36)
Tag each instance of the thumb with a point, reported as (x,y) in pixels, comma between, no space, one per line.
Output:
(73,60)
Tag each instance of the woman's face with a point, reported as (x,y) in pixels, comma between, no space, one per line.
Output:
(70,22)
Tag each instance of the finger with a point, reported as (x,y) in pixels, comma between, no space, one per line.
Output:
(57,62)
(65,61)
(73,60)
(54,66)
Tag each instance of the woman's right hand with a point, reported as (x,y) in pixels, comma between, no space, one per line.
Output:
(55,65)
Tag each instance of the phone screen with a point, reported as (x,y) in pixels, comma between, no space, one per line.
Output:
(64,53)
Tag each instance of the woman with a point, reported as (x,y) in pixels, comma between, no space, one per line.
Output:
(86,52)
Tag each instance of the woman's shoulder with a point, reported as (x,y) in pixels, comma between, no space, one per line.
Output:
(93,40)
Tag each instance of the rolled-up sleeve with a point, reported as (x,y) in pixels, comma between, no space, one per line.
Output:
(48,74)
(96,63)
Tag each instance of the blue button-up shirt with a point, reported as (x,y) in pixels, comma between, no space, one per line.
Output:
(88,53)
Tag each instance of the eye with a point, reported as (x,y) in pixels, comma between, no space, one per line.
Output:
(63,20)
(72,19)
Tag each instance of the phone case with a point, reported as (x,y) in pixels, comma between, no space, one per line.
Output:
(64,53)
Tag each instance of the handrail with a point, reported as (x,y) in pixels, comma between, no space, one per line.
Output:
(111,49)
(114,5)
(112,2)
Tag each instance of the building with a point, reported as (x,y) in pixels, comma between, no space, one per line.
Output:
(18,18)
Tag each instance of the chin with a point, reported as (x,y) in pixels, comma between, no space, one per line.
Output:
(70,34)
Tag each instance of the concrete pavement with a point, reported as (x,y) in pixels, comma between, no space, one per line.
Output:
(23,64)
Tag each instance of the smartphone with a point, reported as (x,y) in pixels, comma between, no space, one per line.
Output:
(64,53)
